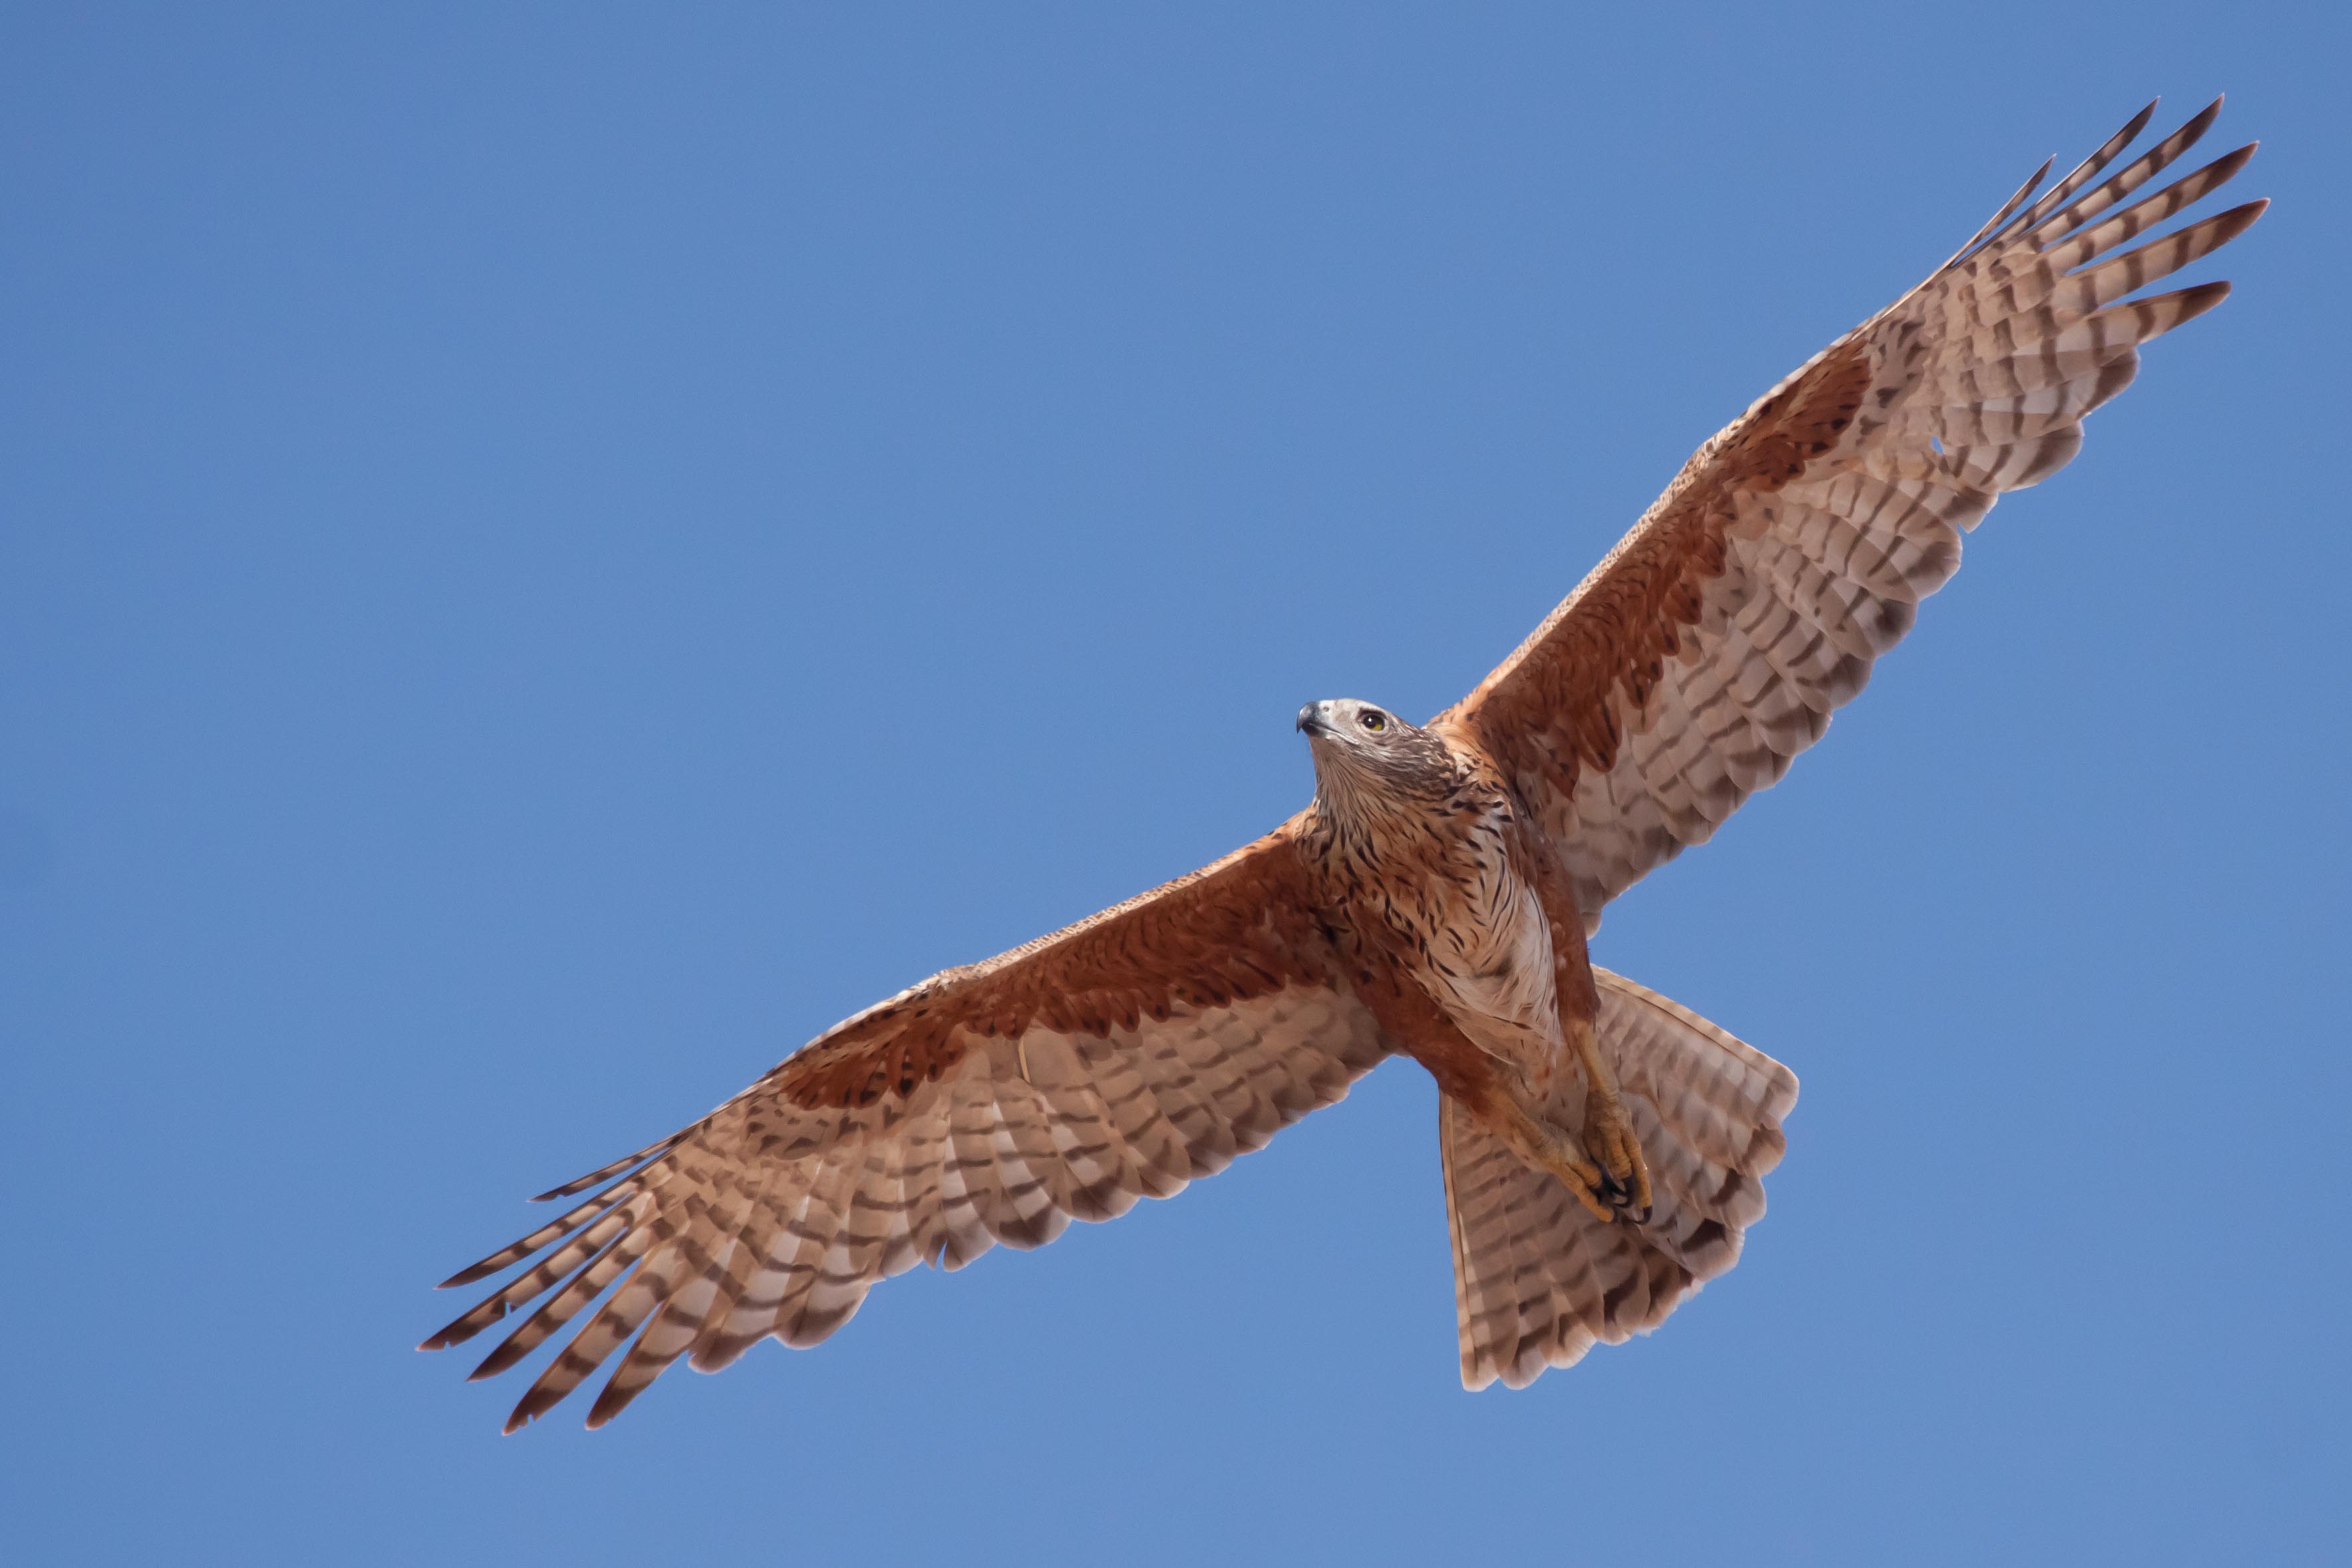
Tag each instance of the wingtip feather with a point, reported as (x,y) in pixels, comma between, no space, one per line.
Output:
(610,1402)
(2195,302)
(456,1331)
(2230,225)
(508,1352)
(538,1402)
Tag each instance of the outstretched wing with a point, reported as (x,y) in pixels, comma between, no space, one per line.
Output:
(1710,646)
(1116,1059)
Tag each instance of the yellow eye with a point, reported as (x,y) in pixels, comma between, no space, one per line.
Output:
(1375,722)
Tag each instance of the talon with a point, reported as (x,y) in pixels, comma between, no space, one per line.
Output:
(1588,1181)
(1610,1136)
(1591,1196)
(1608,1184)
(1625,1203)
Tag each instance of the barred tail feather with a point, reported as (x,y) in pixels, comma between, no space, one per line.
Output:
(1538,1280)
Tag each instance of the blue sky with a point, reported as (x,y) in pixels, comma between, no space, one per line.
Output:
(548,554)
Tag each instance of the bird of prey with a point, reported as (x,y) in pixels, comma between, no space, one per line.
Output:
(1603,1149)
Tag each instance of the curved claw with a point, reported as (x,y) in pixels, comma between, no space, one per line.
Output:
(1625,1203)
(1594,1195)
(1625,1184)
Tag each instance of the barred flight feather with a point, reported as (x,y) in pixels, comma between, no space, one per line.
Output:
(1791,550)
(776,1214)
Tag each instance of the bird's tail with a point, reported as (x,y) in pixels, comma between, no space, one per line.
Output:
(1537,1277)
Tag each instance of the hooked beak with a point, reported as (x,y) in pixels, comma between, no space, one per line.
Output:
(1311,721)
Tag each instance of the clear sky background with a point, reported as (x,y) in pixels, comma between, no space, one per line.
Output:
(547,555)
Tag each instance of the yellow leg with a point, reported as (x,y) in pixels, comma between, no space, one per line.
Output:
(1609,1139)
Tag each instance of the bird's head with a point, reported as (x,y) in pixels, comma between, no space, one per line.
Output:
(1364,753)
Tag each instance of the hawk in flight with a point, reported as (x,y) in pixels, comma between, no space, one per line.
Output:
(1603,1148)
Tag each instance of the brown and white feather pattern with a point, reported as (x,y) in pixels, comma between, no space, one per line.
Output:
(1538,1280)
(1123,1057)
(1119,1060)
(1712,644)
